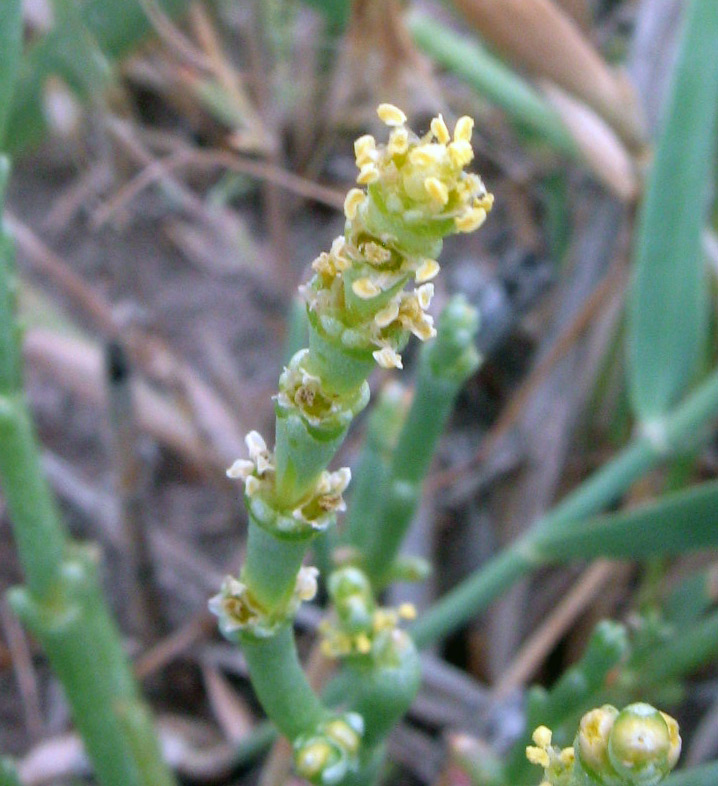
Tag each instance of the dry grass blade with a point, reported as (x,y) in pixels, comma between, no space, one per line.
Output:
(557,49)
(538,646)
(78,366)
(578,10)
(229,709)
(602,149)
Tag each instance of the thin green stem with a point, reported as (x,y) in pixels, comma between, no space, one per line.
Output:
(271,566)
(63,603)
(445,365)
(490,77)
(10,50)
(603,488)
(472,595)
(280,683)
(39,534)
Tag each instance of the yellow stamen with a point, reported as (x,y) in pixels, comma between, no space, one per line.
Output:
(460,152)
(369,173)
(354,198)
(387,314)
(439,130)
(437,190)
(537,756)
(464,128)
(470,220)
(398,142)
(391,115)
(542,736)
(407,611)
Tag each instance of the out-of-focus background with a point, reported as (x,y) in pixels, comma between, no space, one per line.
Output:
(177,167)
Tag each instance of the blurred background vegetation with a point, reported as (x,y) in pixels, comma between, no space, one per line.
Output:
(177,166)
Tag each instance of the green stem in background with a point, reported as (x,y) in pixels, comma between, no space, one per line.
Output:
(8,773)
(491,78)
(101,27)
(668,304)
(684,653)
(62,603)
(10,51)
(705,775)
(603,488)
(444,367)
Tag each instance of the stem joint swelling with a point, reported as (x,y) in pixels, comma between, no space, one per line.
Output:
(360,315)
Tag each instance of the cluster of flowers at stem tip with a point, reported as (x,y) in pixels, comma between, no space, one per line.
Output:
(416,192)
(637,746)
(358,626)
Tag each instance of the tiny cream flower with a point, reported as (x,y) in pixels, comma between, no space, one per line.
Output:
(354,198)
(387,315)
(365,288)
(428,270)
(387,357)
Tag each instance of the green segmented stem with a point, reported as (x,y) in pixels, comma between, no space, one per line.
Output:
(62,603)
(280,683)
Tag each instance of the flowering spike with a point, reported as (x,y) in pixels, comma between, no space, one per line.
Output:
(638,746)
(417,193)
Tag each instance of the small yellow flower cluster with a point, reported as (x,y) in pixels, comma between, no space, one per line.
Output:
(416,193)
(337,642)
(238,610)
(314,512)
(556,762)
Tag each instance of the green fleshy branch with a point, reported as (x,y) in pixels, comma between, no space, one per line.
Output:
(62,603)
(444,366)
(599,491)
(280,683)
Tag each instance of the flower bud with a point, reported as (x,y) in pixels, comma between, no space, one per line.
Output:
(642,746)
(592,740)
(330,754)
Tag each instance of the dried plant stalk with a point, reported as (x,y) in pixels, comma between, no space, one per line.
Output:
(543,38)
